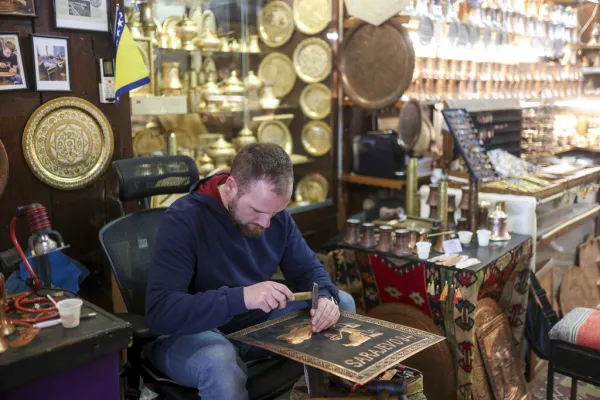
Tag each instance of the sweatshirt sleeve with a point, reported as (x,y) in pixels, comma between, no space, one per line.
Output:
(170,308)
(300,265)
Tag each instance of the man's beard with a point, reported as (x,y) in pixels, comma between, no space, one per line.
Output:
(250,230)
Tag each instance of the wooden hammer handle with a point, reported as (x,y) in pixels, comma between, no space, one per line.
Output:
(302,296)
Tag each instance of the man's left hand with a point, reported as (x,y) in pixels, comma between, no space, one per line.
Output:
(325,316)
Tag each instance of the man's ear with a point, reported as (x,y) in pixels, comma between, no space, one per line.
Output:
(231,186)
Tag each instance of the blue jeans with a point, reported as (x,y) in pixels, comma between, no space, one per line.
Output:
(213,364)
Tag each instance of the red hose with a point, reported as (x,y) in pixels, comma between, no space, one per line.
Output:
(13,236)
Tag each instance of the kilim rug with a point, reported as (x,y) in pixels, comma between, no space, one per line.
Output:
(562,388)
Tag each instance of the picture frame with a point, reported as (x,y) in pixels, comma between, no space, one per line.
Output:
(83,15)
(12,71)
(51,63)
(16,9)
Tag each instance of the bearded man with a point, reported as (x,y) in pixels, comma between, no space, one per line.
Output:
(217,250)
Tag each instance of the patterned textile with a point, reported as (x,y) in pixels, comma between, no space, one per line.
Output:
(506,280)
(579,327)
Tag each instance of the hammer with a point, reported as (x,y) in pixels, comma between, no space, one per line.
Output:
(314,295)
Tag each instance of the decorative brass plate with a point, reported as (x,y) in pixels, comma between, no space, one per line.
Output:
(315,101)
(316,138)
(278,68)
(312,60)
(312,188)
(312,16)
(68,143)
(377,64)
(275,132)
(276,23)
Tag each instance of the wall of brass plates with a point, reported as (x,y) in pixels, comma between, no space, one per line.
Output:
(247,72)
(85,146)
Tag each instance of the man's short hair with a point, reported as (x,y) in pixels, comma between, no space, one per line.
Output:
(263,162)
(10,45)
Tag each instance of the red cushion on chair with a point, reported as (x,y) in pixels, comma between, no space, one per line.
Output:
(580,327)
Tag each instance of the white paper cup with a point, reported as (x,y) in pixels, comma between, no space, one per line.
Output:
(423,250)
(465,237)
(483,237)
(70,312)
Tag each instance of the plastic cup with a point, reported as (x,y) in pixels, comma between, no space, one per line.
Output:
(483,237)
(465,237)
(423,249)
(70,312)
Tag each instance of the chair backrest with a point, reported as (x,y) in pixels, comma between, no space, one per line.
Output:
(128,243)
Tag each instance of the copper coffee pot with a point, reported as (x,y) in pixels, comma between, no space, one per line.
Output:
(432,201)
(385,239)
(352,235)
(368,238)
(6,326)
(402,246)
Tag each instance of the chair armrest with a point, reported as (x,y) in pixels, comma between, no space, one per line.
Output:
(138,325)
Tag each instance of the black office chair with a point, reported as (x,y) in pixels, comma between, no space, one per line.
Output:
(128,243)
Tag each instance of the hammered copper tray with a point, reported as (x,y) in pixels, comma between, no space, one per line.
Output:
(3,168)
(436,362)
(377,64)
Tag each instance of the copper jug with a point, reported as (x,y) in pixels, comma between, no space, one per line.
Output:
(497,224)
(352,234)
(402,246)
(385,239)
(171,83)
(368,237)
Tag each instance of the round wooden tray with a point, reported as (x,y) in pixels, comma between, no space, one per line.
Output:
(3,168)
(377,64)
(435,362)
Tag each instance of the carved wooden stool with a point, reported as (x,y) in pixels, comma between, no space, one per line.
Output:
(575,349)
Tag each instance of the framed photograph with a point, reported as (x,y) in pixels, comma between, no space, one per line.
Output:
(18,8)
(85,15)
(12,74)
(51,62)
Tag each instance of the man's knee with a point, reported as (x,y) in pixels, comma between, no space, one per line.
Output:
(347,302)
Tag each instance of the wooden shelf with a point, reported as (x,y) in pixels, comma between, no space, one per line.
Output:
(550,234)
(373,181)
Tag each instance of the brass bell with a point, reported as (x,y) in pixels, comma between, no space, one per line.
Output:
(171,83)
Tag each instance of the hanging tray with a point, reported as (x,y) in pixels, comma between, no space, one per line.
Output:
(68,143)
(377,64)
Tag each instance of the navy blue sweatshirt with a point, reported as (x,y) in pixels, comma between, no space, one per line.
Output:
(202,261)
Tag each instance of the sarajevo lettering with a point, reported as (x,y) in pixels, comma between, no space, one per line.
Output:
(379,350)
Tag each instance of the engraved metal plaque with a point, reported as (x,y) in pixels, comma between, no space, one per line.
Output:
(357,348)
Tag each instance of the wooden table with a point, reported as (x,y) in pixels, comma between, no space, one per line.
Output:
(68,364)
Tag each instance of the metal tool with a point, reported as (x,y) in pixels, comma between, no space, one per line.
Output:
(314,295)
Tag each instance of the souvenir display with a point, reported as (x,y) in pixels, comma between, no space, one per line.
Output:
(279,69)
(313,60)
(315,101)
(316,138)
(12,74)
(68,143)
(377,64)
(312,16)
(338,349)
(510,166)
(82,15)
(274,131)
(22,8)
(469,146)
(312,188)
(276,23)
(52,63)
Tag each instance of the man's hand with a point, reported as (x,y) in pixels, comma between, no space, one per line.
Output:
(267,296)
(325,316)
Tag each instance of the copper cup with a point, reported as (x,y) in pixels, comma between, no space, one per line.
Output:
(368,237)
(432,201)
(352,235)
(402,246)
(385,239)
(413,239)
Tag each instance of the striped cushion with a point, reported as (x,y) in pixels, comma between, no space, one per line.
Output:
(581,327)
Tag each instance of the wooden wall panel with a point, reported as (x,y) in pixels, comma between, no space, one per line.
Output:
(78,215)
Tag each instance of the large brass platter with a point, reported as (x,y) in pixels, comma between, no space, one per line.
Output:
(312,16)
(312,188)
(316,138)
(68,143)
(312,60)
(315,101)
(279,69)
(277,132)
(377,64)
(276,23)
